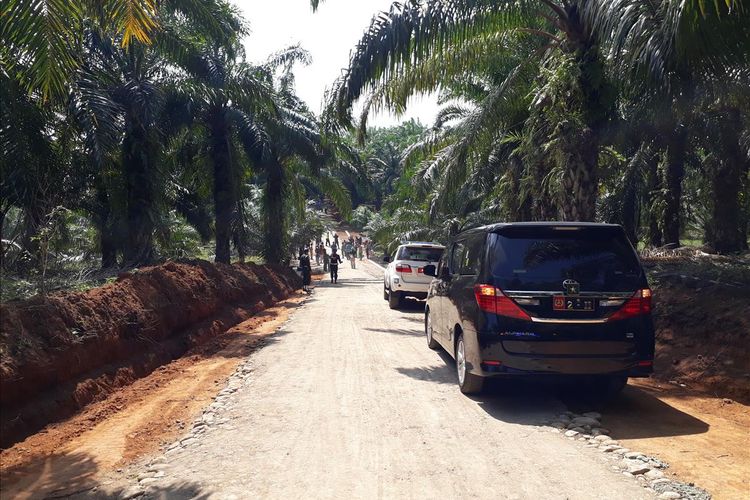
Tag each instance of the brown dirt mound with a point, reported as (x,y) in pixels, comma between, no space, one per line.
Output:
(703,336)
(62,352)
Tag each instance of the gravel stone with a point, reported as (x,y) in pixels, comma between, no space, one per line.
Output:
(571,433)
(635,467)
(659,481)
(131,492)
(582,421)
(685,491)
(669,495)
(593,414)
(638,469)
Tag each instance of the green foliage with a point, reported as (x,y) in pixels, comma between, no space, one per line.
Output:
(361,217)
(157,139)
(582,110)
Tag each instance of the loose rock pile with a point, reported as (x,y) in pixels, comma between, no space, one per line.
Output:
(648,471)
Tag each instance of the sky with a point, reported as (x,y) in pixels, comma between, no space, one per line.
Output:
(328,34)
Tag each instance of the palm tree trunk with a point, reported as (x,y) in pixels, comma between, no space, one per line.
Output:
(274,228)
(101,216)
(224,201)
(580,182)
(673,175)
(726,233)
(581,178)
(139,183)
(654,237)
(745,206)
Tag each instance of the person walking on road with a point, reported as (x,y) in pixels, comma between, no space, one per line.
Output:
(326,260)
(336,240)
(351,253)
(306,268)
(335,261)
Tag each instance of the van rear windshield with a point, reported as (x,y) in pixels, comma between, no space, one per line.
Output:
(600,259)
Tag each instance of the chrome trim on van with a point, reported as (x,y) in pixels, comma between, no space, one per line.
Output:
(569,321)
(527,294)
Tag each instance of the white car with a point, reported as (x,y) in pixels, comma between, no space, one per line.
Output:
(405,276)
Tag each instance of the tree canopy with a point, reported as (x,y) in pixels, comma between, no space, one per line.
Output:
(138,130)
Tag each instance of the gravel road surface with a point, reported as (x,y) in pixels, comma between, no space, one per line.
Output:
(347,401)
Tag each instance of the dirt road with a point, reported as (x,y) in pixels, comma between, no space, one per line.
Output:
(347,401)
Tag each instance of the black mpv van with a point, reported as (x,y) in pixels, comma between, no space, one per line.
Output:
(542,298)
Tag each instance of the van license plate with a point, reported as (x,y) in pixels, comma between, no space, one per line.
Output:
(563,303)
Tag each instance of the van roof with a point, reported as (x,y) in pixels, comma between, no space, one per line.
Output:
(421,244)
(489,228)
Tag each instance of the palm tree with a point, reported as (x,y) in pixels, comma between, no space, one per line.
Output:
(410,35)
(675,52)
(297,159)
(120,97)
(39,39)
(253,123)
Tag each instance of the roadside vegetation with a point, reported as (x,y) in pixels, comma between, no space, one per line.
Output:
(131,137)
(629,111)
(139,131)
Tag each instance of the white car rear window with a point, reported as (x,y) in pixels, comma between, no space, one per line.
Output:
(422,254)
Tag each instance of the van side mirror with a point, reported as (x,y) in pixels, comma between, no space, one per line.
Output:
(430,270)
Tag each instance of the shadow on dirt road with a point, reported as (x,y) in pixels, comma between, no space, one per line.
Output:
(634,413)
(73,476)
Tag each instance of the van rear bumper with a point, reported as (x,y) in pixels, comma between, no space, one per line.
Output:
(530,366)
(625,352)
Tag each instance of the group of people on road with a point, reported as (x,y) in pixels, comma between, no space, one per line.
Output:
(353,247)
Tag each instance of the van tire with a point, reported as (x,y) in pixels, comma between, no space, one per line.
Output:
(471,384)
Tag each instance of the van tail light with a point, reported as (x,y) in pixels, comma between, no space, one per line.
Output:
(403,268)
(492,300)
(637,305)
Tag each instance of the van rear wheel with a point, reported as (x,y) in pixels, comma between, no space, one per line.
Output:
(605,388)
(467,381)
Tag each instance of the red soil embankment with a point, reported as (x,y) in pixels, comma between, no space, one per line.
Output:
(62,352)
(703,337)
